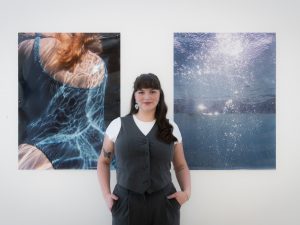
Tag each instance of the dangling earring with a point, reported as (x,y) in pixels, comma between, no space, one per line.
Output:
(136,106)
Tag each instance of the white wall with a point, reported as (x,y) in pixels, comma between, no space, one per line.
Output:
(241,197)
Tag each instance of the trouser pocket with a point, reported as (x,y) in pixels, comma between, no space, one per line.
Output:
(172,207)
(173,201)
(119,209)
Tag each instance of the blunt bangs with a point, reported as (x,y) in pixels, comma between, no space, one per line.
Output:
(147,81)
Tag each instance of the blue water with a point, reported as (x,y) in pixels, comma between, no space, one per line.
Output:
(225,99)
(229,141)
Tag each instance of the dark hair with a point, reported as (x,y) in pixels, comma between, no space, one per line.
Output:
(165,129)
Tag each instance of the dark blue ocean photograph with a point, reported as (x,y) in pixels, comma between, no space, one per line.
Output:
(225,99)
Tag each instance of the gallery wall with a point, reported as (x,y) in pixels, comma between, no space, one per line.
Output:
(219,197)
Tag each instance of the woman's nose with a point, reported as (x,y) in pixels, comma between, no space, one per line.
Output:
(147,96)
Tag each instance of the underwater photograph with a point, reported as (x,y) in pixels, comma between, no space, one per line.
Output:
(68,92)
(225,99)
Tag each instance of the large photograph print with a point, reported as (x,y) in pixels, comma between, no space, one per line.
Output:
(225,95)
(69,91)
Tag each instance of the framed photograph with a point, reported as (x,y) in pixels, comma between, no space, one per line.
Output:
(225,99)
(69,90)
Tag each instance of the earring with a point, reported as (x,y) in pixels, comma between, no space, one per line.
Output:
(136,106)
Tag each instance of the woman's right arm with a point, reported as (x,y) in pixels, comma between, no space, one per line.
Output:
(103,170)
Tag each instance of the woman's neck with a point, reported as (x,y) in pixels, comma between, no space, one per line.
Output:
(145,116)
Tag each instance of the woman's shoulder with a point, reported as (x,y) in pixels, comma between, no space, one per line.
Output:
(88,73)
(116,120)
(24,51)
(113,129)
(176,131)
(25,44)
(115,124)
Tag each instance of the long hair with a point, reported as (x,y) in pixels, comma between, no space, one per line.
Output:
(165,129)
(70,48)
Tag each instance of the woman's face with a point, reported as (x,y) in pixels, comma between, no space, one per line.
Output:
(147,99)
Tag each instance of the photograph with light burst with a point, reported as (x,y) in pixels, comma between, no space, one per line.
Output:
(225,99)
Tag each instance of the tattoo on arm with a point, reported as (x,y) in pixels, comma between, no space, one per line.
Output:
(106,154)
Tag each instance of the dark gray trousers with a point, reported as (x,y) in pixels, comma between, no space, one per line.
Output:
(145,209)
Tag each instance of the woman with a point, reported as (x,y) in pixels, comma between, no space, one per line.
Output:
(144,144)
(61,95)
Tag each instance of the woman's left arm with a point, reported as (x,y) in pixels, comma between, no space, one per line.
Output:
(182,174)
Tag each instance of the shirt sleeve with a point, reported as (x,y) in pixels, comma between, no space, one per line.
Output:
(176,132)
(113,129)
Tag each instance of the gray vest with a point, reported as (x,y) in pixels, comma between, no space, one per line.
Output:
(142,161)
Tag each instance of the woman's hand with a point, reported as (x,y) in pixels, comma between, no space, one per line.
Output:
(109,199)
(180,196)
